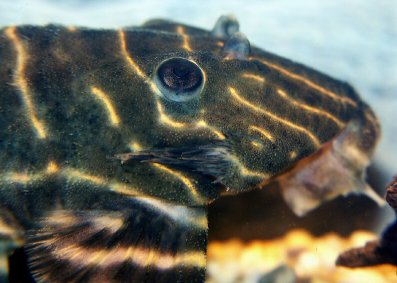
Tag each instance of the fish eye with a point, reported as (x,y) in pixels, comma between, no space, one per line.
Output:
(179,79)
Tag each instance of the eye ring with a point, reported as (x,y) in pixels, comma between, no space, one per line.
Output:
(179,79)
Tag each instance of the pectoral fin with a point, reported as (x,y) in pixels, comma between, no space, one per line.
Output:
(146,242)
(336,169)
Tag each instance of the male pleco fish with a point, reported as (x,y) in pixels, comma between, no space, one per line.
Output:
(113,143)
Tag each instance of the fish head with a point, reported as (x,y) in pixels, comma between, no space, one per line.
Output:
(238,116)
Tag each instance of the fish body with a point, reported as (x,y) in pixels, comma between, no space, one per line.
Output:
(113,142)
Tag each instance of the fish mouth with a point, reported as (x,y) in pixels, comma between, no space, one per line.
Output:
(211,160)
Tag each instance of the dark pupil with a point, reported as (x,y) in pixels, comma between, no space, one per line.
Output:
(181,71)
(180,75)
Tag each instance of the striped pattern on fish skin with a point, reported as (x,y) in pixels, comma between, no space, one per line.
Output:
(113,142)
(139,245)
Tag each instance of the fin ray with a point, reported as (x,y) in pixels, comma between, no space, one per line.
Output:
(135,245)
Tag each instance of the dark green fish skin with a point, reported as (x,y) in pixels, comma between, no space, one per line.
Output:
(75,101)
